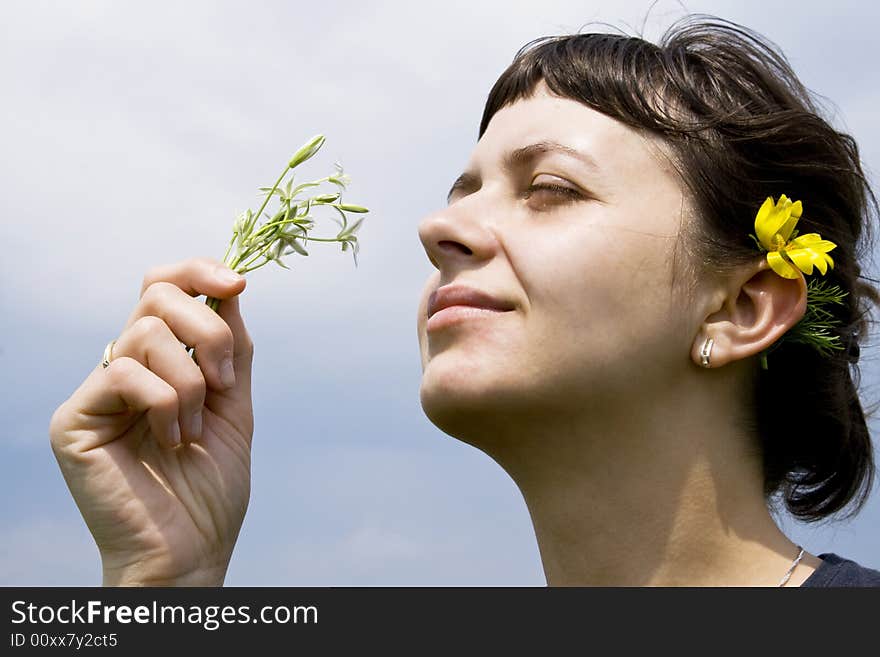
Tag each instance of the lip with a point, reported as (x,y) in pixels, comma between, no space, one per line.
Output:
(462,302)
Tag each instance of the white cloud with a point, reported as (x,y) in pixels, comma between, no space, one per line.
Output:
(48,551)
(132,135)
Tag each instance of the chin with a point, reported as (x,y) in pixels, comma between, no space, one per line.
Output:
(466,402)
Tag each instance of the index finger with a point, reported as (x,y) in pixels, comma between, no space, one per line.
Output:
(214,279)
(197,276)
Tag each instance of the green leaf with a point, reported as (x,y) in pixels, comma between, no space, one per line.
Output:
(354,227)
(344,223)
(308,206)
(819,326)
(303,186)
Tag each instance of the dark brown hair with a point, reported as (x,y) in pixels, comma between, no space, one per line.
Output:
(740,127)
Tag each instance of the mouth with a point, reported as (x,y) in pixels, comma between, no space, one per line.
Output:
(452,304)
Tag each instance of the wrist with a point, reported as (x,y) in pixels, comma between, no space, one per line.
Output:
(136,575)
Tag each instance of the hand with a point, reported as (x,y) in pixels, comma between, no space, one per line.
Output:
(156,447)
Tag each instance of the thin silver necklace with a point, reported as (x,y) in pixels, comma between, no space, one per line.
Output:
(794,564)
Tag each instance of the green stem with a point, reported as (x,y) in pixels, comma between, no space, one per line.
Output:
(229,248)
(275,224)
(272,191)
(249,269)
(242,257)
(269,241)
(236,265)
(322,239)
(266,248)
(212,302)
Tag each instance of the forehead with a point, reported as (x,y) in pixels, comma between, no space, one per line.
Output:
(615,147)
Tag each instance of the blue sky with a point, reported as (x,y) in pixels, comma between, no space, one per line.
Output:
(133,133)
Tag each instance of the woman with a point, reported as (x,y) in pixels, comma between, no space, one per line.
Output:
(599,324)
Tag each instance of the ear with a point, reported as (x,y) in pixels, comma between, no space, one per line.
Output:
(755,311)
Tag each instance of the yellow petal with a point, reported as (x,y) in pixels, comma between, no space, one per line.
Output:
(769,220)
(782,266)
(805,259)
(813,241)
(764,211)
(761,221)
(787,228)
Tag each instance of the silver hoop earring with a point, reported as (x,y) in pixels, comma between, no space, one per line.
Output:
(706,352)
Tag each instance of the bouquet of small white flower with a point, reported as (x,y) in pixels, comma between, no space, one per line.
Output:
(287,230)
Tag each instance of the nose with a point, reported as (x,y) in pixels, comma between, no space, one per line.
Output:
(459,235)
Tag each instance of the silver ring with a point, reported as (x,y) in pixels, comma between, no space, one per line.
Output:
(108,353)
(706,352)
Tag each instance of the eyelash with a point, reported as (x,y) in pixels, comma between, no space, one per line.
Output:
(560,190)
(557,189)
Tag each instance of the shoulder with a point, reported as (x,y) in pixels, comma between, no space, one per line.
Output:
(837,571)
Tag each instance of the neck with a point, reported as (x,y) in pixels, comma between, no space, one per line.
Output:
(669,495)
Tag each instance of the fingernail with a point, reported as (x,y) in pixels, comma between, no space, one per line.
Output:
(227,373)
(195,425)
(228,276)
(174,433)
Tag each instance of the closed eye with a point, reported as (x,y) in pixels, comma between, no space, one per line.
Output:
(555,190)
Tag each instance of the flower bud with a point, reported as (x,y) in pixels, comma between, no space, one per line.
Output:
(352,208)
(308,150)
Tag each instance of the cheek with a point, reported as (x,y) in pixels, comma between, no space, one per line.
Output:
(599,313)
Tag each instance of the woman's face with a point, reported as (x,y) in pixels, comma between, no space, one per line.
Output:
(587,314)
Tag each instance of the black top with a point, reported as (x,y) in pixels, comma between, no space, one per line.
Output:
(837,571)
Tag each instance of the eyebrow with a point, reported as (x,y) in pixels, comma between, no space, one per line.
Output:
(521,157)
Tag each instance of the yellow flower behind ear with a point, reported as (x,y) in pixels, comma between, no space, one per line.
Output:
(788,254)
